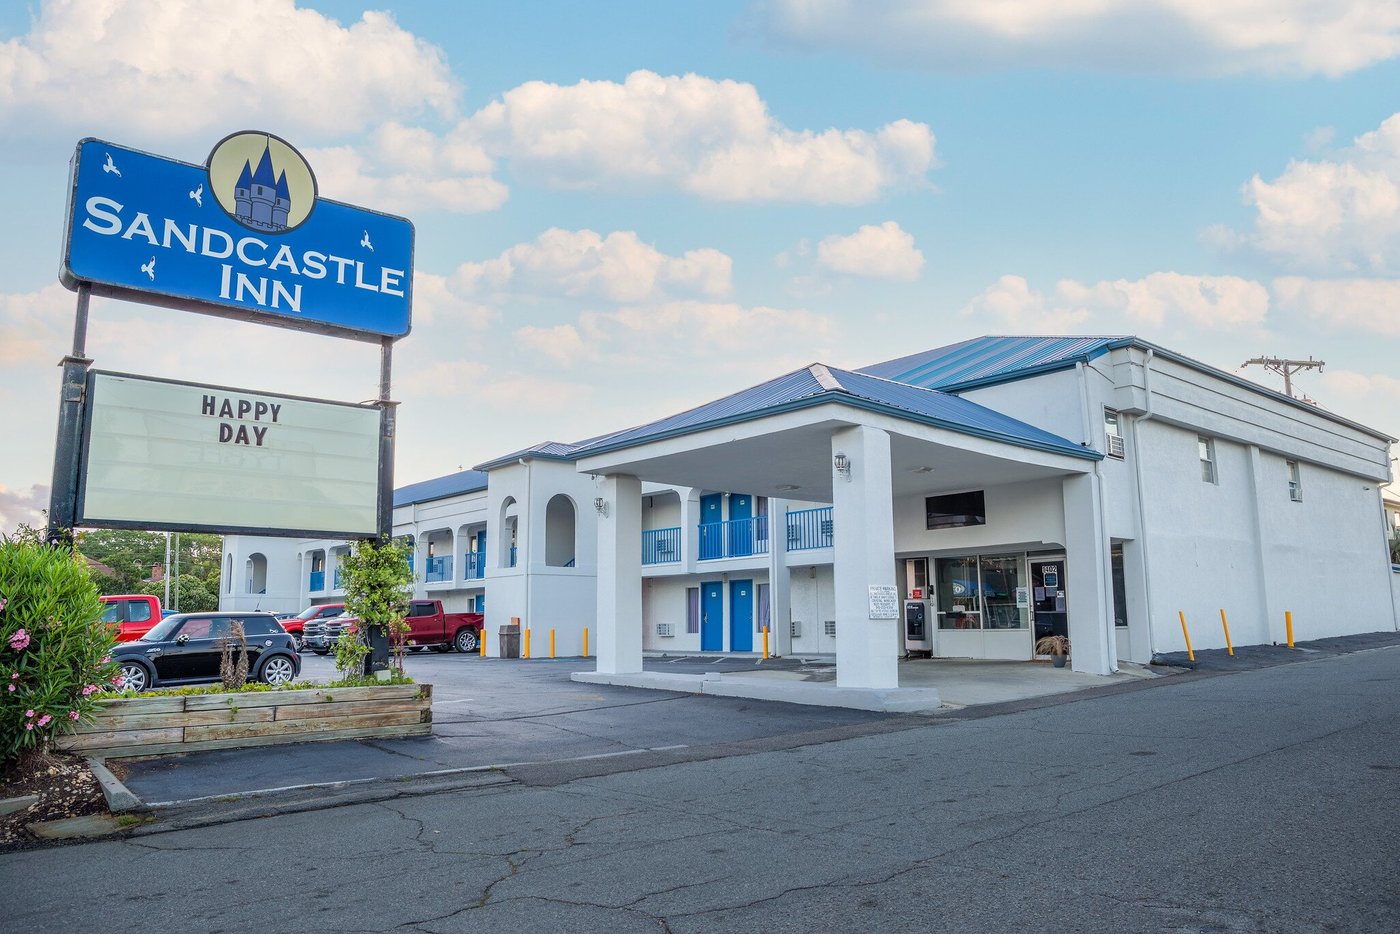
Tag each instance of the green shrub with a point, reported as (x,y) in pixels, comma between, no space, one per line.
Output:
(54,652)
(378,587)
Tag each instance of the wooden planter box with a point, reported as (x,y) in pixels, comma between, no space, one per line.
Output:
(148,726)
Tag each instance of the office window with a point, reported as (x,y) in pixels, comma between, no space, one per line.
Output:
(1207,449)
(1113,434)
(1295,483)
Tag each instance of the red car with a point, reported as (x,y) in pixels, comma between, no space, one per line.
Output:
(320,612)
(132,614)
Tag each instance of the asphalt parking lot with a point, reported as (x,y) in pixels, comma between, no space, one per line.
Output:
(524,716)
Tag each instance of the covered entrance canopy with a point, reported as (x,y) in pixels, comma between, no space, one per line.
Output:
(781,439)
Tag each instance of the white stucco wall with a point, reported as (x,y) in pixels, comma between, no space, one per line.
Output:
(284,588)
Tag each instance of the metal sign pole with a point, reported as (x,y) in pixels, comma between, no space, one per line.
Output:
(63,495)
(378,638)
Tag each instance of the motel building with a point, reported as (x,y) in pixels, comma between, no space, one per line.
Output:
(1002,488)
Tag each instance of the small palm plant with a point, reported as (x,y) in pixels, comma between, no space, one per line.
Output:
(1056,645)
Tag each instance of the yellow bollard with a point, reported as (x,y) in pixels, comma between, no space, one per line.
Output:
(1230,646)
(765,641)
(526,653)
(481,642)
(585,641)
(551,642)
(1288,622)
(1189,654)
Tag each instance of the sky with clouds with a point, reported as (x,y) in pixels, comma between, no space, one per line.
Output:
(624,209)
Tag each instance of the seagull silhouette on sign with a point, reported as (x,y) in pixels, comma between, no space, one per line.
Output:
(111,166)
(366,244)
(150,268)
(197,196)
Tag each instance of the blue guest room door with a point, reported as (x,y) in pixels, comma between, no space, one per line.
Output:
(711,526)
(740,526)
(741,616)
(712,617)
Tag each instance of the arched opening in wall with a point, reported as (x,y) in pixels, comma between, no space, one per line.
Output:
(510,531)
(559,545)
(228,573)
(257,573)
(410,545)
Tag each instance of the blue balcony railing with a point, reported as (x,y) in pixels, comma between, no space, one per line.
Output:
(318,581)
(661,546)
(439,569)
(512,556)
(474,565)
(809,528)
(737,538)
(339,579)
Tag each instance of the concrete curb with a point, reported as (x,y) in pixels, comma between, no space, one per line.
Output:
(119,797)
(817,694)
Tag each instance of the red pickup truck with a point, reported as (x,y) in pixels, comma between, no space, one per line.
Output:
(428,624)
(322,613)
(132,613)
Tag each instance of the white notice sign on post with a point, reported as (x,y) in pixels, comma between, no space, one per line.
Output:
(884,602)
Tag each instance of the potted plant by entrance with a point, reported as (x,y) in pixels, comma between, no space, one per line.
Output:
(1056,646)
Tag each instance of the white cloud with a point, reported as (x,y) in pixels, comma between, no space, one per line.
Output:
(1346,304)
(884,252)
(715,139)
(1157,300)
(18,506)
(183,67)
(1333,215)
(1010,303)
(437,300)
(1205,37)
(384,178)
(35,325)
(663,337)
(585,264)
(1214,302)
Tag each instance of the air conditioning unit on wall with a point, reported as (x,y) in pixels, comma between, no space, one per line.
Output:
(796,628)
(665,629)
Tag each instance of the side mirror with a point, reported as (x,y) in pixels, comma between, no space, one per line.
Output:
(181,639)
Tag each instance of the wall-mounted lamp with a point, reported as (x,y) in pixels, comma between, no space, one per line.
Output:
(601,505)
(842,463)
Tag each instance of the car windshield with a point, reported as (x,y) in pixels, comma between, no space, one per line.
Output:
(308,612)
(162,630)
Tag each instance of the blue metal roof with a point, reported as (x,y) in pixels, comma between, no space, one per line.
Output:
(545,450)
(818,384)
(984,360)
(466,481)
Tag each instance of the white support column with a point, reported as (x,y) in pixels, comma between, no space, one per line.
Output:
(779,580)
(1088,598)
(867,650)
(620,576)
(690,527)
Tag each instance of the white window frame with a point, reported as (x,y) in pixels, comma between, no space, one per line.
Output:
(1113,433)
(1205,447)
(1295,481)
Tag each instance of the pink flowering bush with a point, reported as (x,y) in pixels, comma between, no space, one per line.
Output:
(54,652)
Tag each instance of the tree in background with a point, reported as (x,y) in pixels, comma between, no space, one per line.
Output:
(131,556)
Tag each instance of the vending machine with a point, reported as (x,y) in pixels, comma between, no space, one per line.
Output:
(918,635)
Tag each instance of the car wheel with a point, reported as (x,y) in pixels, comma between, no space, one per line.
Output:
(322,651)
(135,677)
(466,641)
(278,670)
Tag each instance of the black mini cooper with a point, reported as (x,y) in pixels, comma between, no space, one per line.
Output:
(186,648)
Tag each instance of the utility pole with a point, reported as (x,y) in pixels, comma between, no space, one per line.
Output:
(166,573)
(1285,368)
